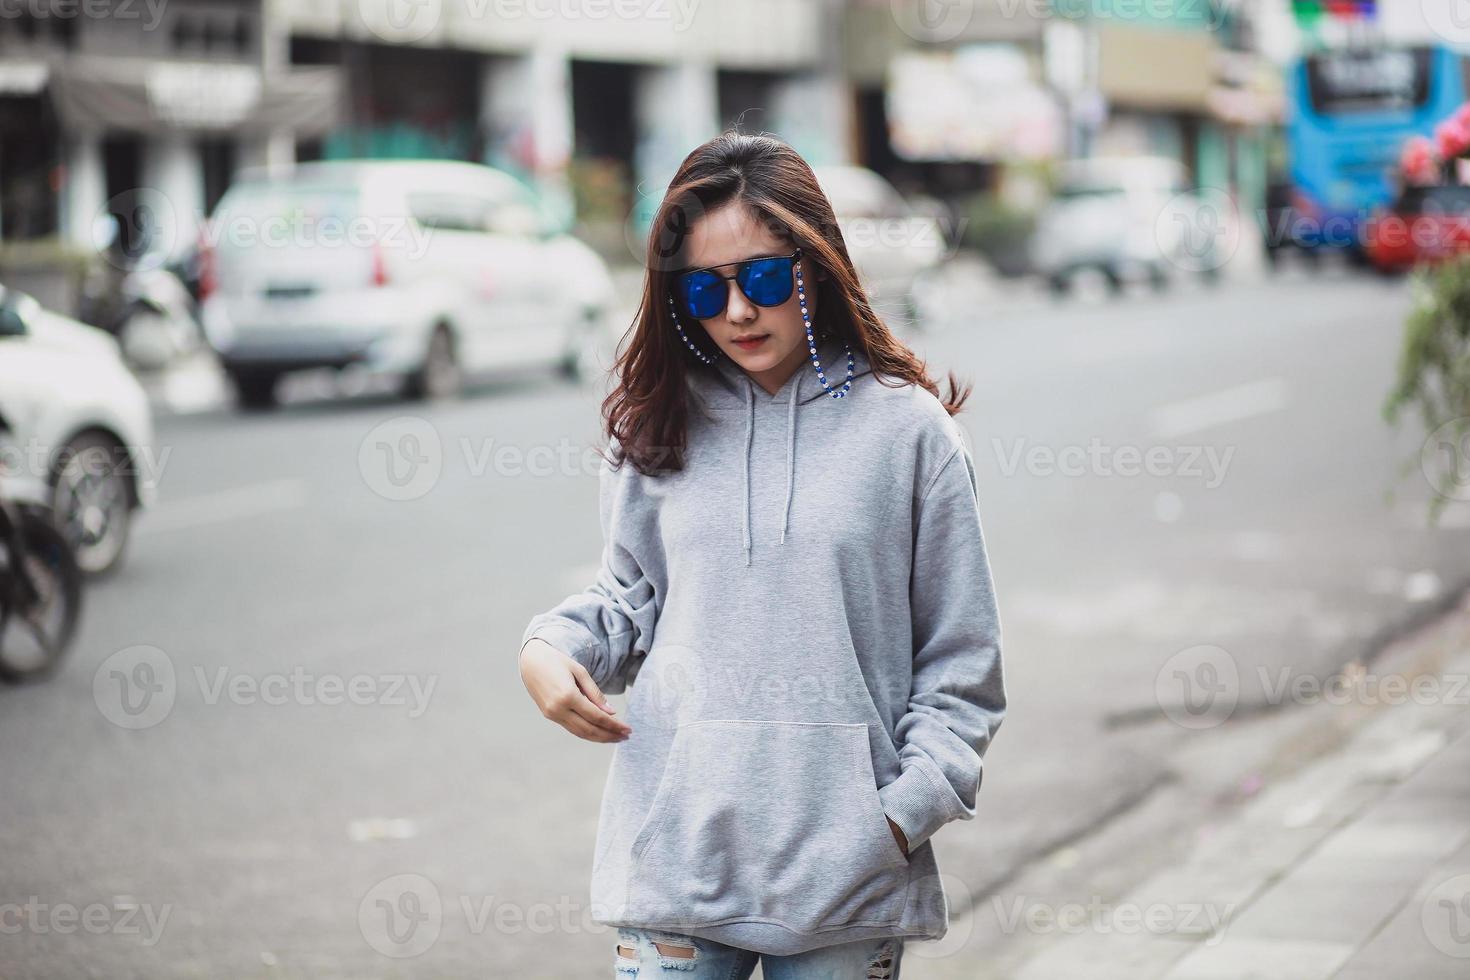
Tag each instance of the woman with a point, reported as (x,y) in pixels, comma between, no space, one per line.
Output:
(794,593)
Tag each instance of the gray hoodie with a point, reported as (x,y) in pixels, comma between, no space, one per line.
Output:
(804,623)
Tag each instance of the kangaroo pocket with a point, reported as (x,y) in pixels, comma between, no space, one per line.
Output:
(768,821)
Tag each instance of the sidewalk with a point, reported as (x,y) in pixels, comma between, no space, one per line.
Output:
(1355,867)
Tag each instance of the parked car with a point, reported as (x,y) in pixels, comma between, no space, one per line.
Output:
(1129,218)
(1423,225)
(78,421)
(893,244)
(423,270)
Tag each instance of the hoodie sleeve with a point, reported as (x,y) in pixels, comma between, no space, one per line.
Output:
(957,699)
(612,620)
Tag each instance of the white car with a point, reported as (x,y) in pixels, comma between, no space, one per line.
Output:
(76,431)
(423,270)
(1127,218)
(892,244)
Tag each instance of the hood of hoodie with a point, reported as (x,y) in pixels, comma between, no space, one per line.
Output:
(725,386)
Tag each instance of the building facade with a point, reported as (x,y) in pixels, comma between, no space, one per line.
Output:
(594,101)
(122,107)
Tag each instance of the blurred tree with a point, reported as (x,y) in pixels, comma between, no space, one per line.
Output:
(1434,377)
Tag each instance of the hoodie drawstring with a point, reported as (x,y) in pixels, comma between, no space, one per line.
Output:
(790,458)
(749,435)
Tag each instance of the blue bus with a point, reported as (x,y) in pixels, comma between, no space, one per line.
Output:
(1350,111)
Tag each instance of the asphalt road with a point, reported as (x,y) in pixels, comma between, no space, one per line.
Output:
(291,740)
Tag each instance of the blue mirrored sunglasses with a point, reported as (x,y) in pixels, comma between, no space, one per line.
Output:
(765,280)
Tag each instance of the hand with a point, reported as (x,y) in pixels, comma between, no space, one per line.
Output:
(903,842)
(566,694)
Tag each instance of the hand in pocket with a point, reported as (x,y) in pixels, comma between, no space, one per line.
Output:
(903,842)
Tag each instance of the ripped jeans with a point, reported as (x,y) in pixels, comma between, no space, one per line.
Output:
(648,953)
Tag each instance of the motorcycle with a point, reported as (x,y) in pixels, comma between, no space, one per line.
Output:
(40,593)
(157,326)
(139,298)
(40,586)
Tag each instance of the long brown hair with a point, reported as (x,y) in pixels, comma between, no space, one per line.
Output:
(646,413)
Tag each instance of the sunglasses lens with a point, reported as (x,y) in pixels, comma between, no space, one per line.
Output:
(767,282)
(703,294)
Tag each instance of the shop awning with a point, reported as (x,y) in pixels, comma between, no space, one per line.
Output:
(167,96)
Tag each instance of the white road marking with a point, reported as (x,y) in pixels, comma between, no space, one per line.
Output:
(226,505)
(1193,415)
(381,828)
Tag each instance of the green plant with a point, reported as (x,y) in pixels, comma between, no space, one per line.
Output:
(999,232)
(599,188)
(1434,377)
